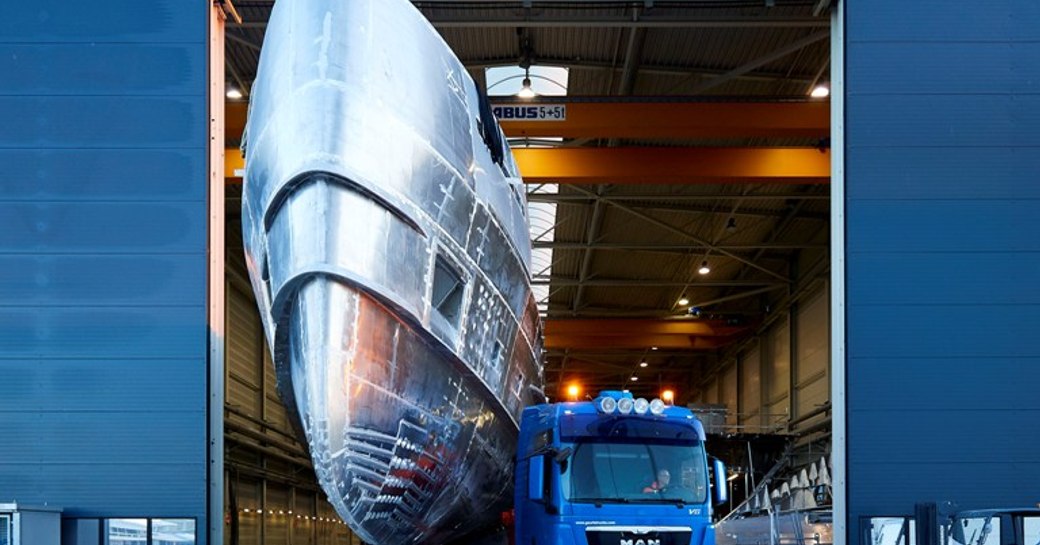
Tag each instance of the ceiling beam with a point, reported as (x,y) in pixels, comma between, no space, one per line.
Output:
(652,165)
(621,328)
(676,120)
(671,197)
(673,165)
(628,246)
(648,117)
(559,281)
(527,19)
(638,341)
(762,61)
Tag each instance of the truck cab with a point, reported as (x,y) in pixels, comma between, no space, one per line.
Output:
(614,471)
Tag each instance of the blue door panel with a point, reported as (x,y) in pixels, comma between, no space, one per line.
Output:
(98,228)
(104,21)
(102,69)
(932,173)
(141,175)
(104,332)
(104,280)
(961,279)
(104,122)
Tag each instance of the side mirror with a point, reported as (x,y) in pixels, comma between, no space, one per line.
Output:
(535,478)
(721,485)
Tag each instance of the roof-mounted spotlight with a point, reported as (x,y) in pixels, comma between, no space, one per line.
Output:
(642,405)
(625,405)
(607,404)
(657,407)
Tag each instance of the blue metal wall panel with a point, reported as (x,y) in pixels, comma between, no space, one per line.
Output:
(103,122)
(942,105)
(103,257)
(102,227)
(104,69)
(99,280)
(150,331)
(957,279)
(56,385)
(103,22)
(948,21)
(934,172)
(112,175)
(906,378)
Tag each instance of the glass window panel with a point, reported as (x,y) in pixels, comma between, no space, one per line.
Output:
(126,531)
(173,531)
(1031,530)
(976,531)
(888,531)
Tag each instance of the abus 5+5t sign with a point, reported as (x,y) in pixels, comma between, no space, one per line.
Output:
(530,112)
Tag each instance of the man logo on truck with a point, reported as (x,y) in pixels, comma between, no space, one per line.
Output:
(640,542)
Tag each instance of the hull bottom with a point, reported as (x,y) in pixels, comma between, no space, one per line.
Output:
(406,442)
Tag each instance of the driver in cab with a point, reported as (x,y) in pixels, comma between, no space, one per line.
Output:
(663,479)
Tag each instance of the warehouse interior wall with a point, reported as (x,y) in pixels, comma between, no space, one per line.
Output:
(272,495)
(778,381)
(941,110)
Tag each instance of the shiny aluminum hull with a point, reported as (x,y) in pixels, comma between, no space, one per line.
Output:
(386,238)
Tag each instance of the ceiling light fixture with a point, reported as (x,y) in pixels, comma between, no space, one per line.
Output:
(820,91)
(233,93)
(634,378)
(525,90)
(653,348)
(705,269)
(731,225)
(643,364)
(683,301)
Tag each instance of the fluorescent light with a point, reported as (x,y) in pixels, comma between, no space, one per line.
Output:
(705,269)
(820,91)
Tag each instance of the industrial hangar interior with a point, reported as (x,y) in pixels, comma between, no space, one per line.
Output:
(679,227)
(804,230)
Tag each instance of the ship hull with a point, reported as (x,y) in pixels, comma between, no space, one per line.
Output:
(406,441)
(387,245)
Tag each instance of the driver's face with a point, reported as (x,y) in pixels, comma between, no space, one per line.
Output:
(663,477)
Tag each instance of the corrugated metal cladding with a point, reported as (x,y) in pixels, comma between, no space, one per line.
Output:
(103,234)
(755,382)
(943,104)
(272,491)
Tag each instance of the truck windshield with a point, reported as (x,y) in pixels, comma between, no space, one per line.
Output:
(635,472)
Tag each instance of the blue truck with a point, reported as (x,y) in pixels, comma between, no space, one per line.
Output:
(614,471)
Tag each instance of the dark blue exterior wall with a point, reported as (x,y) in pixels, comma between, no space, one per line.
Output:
(943,254)
(103,263)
